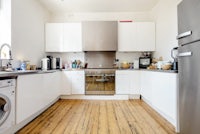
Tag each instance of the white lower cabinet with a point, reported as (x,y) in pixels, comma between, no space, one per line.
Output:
(78,82)
(127,82)
(135,82)
(73,82)
(122,85)
(35,92)
(159,89)
(164,97)
(66,83)
(146,85)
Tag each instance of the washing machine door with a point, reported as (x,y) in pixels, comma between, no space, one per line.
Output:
(5,107)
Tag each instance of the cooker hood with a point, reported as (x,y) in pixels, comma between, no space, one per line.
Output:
(99,35)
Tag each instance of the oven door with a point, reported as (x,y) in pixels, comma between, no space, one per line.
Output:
(100,84)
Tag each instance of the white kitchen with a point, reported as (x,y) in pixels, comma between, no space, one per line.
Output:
(102,67)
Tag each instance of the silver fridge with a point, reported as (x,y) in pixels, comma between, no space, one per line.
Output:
(189,66)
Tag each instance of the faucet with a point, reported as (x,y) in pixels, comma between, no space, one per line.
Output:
(10,55)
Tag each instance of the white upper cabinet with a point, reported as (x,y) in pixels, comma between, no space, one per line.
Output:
(127,36)
(145,36)
(136,36)
(54,37)
(63,37)
(72,37)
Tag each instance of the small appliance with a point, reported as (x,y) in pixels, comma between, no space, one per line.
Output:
(50,61)
(58,63)
(7,105)
(53,63)
(174,53)
(144,62)
(45,64)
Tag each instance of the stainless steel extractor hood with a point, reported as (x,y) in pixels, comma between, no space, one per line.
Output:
(99,35)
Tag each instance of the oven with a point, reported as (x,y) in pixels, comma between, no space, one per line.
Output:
(100,82)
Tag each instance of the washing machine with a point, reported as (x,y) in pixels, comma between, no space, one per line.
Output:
(7,105)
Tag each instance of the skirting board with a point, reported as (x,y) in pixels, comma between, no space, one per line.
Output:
(96,97)
(134,96)
(169,119)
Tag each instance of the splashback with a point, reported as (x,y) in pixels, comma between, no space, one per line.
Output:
(100,59)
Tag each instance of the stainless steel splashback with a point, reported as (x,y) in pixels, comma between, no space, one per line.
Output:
(100,59)
(100,35)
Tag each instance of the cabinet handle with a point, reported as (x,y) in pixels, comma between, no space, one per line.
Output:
(185,54)
(183,35)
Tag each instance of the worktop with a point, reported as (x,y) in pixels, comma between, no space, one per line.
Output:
(25,72)
(152,70)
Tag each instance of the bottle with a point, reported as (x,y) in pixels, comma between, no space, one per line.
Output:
(23,66)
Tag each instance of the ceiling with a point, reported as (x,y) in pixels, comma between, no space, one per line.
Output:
(64,6)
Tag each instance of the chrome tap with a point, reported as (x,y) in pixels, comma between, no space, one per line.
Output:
(6,45)
(9,65)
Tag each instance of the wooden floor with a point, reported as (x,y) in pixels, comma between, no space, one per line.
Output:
(98,117)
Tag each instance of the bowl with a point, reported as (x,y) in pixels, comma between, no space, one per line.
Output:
(125,65)
(166,67)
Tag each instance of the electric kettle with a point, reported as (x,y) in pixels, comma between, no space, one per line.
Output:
(45,64)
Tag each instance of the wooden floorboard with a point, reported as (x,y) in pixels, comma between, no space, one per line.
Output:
(99,117)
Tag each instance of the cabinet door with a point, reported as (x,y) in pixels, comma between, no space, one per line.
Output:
(127,36)
(146,85)
(145,36)
(78,82)
(134,82)
(164,93)
(136,36)
(66,83)
(72,37)
(34,92)
(29,96)
(122,82)
(51,86)
(54,37)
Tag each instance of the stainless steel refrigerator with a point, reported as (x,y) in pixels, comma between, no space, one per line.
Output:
(189,66)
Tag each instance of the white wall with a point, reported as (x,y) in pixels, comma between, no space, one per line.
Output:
(5,22)
(28,19)
(165,16)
